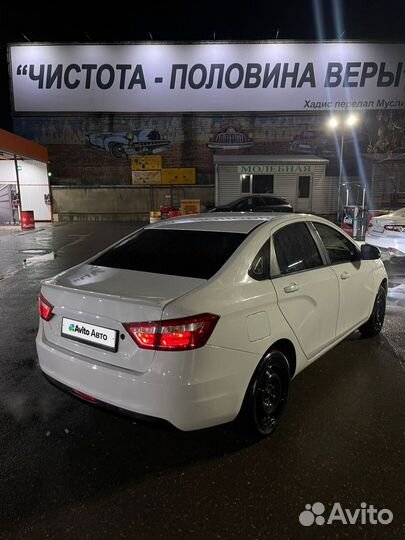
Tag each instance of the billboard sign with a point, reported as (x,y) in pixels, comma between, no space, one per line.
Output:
(208,77)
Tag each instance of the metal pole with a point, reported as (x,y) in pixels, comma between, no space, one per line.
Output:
(50,192)
(371,201)
(340,174)
(363,210)
(18,185)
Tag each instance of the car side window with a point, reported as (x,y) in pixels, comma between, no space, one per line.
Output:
(270,201)
(244,205)
(260,267)
(339,248)
(258,203)
(296,249)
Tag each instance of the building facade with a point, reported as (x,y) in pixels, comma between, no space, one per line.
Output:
(205,106)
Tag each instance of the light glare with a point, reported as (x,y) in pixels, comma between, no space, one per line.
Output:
(333,122)
(351,120)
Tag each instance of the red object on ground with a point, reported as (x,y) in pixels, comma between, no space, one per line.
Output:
(164,211)
(27,220)
(174,213)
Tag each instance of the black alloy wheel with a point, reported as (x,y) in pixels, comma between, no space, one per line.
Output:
(375,323)
(267,394)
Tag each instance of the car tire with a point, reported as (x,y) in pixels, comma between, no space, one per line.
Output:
(375,323)
(266,396)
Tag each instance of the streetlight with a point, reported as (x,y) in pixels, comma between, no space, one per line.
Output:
(334,123)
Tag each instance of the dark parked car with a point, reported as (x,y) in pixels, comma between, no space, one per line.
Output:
(256,203)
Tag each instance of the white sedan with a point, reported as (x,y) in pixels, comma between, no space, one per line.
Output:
(387,232)
(201,320)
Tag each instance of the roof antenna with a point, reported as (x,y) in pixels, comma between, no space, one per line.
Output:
(150,35)
(25,37)
(277,33)
(341,35)
(214,35)
(87,36)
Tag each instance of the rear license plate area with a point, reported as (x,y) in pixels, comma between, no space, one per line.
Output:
(90,334)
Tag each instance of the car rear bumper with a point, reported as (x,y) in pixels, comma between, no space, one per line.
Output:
(190,390)
(103,405)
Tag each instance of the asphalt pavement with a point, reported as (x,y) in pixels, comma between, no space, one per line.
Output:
(71,471)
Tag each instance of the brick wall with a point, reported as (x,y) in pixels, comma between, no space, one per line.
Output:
(75,161)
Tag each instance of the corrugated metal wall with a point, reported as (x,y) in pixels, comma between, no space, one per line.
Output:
(228,184)
(324,192)
(285,185)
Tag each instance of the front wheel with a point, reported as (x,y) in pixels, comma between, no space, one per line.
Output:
(375,323)
(266,396)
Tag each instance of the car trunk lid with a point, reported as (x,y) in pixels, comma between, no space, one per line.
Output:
(378,223)
(102,299)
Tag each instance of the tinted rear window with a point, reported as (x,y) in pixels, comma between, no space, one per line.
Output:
(197,254)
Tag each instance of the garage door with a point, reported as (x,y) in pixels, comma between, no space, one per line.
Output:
(6,214)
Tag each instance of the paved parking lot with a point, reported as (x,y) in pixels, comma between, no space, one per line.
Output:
(69,471)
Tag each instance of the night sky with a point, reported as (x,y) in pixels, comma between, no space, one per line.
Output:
(195,21)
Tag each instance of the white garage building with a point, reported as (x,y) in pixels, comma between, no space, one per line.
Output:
(300,179)
(24,181)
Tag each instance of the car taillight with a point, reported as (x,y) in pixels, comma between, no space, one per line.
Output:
(395,228)
(394,251)
(45,308)
(174,334)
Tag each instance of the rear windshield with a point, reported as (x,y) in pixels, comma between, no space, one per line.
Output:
(197,254)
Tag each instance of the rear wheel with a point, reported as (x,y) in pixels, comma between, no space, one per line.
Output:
(266,396)
(375,323)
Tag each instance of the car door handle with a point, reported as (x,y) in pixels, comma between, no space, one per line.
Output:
(345,275)
(292,287)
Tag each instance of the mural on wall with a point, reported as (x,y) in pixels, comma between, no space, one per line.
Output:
(124,144)
(93,149)
(325,143)
(230,137)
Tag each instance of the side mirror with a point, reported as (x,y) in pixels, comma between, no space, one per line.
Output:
(370,253)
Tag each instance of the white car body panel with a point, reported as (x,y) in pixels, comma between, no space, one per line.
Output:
(392,243)
(356,287)
(309,302)
(116,296)
(206,386)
